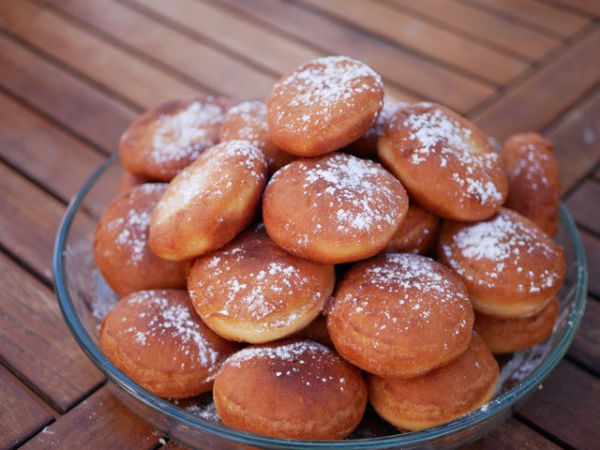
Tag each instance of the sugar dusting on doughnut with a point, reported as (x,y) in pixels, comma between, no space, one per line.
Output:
(184,134)
(438,133)
(171,321)
(502,241)
(253,113)
(325,85)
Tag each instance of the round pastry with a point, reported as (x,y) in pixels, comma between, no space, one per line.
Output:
(167,138)
(209,202)
(445,162)
(510,266)
(336,208)
(400,315)
(512,335)
(323,105)
(253,291)
(157,339)
(129,180)
(316,331)
(533,179)
(295,389)
(416,234)
(443,394)
(366,145)
(248,121)
(121,244)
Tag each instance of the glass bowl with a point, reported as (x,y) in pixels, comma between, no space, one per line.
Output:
(84,299)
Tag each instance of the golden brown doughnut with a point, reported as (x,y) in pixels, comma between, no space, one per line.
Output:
(400,315)
(512,335)
(323,105)
(209,202)
(416,234)
(253,291)
(167,138)
(336,208)
(157,339)
(248,121)
(121,244)
(129,180)
(533,179)
(443,394)
(315,331)
(295,389)
(445,162)
(510,266)
(366,145)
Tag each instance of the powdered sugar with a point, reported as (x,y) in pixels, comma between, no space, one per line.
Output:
(253,115)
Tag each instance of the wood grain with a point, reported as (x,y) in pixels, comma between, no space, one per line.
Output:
(482,26)
(585,348)
(583,6)
(427,79)
(581,205)
(100,421)
(576,139)
(196,60)
(537,15)
(591,245)
(569,396)
(36,342)
(424,38)
(75,103)
(21,413)
(130,77)
(549,92)
(513,434)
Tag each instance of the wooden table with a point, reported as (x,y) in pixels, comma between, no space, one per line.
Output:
(74,73)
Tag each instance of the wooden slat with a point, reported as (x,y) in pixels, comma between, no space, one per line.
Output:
(36,342)
(538,15)
(53,158)
(424,38)
(100,421)
(567,406)
(21,415)
(534,103)
(29,220)
(585,348)
(584,6)
(513,434)
(277,53)
(584,205)
(121,72)
(194,59)
(576,139)
(427,79)
(591,245)
(74,103)
(483,26)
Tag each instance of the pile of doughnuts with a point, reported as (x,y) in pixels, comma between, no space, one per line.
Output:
(325,249)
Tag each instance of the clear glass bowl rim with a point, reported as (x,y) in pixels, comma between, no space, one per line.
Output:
(496,406)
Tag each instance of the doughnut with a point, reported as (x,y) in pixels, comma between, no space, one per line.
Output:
(416,234)
(445,162)
(533,179)
(336,208)
(248,121)
(323,105)
(295,389)
(167,138)
(253,291)
(129,180)
(400,315)
(209,202)
(156,338)
(121,244)
(510,266)
(366,145)
(443,394)
(512,335)
(315,331)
